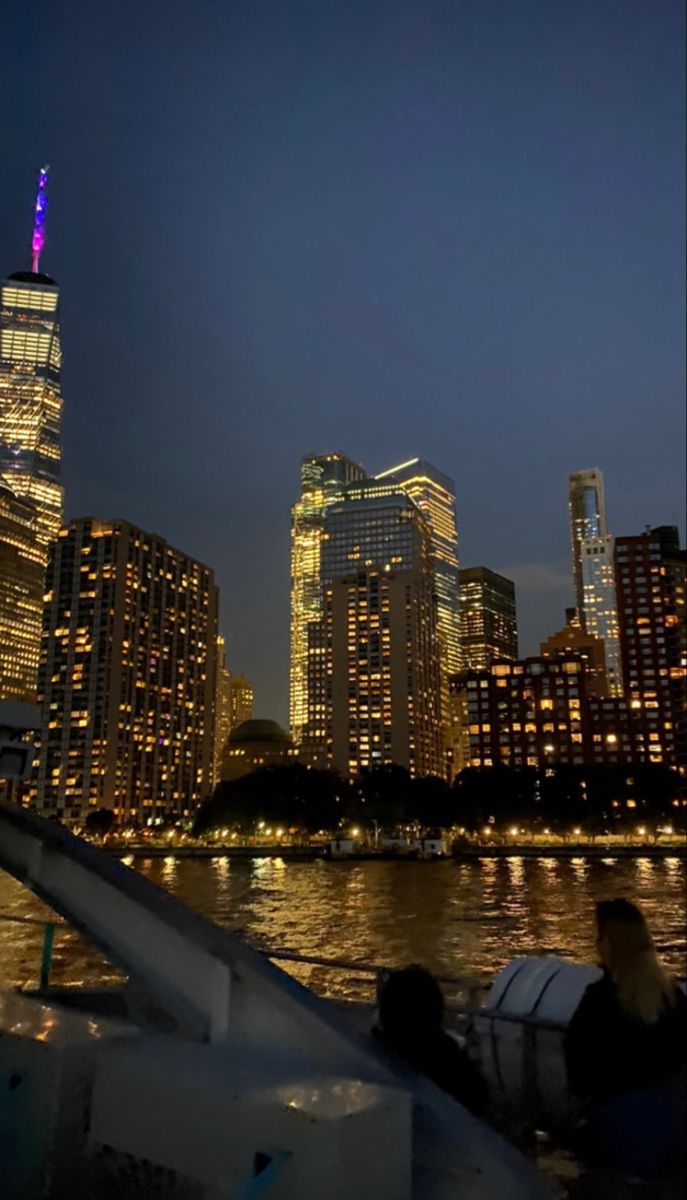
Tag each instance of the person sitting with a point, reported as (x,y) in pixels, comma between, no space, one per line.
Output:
(626,1048)
(411,1023)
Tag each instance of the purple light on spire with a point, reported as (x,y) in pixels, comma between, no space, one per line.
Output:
(40,213)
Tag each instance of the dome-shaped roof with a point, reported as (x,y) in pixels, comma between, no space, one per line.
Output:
(258,731)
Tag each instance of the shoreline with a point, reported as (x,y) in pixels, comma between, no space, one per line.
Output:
(464,854)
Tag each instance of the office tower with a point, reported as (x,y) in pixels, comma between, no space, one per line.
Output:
(30,412)
(22,583)
(435,495)
(323,478)
(375,695)
(241,701)
(223,720)
(488,621)
(30,395)
(599,606)
(572,639)
(127,676)
(587,509)
(650,586)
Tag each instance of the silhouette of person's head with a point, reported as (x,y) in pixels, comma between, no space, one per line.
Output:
(411,1004)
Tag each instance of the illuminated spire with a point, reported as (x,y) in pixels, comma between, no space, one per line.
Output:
(40,213)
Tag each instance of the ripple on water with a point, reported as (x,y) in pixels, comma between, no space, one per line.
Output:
(457,918)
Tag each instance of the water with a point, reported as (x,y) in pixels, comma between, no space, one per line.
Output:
(457,918)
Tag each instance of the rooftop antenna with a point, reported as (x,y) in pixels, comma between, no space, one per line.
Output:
(40,213)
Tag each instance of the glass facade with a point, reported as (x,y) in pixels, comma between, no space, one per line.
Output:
(323,478)
(488,620)
(30,415)
(30,397)
(587,512)
(599,608)
(435,495)
(127,676)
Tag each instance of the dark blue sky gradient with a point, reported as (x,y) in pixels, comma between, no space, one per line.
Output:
(452,229)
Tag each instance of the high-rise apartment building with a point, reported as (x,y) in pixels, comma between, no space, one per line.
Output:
(241,701)
(323,478)
(375,689)
(127,675)
(599,614)
(587,511)
(531,713)
(30,412)
(22,583)
(223,722)
(542,713)
(488,619)
(650,585)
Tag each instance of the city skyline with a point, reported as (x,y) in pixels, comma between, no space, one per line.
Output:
(511,308)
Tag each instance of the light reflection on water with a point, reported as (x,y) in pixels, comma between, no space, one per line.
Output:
(466,918)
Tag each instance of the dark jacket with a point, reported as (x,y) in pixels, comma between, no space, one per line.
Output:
(610,1054)
(442,1060)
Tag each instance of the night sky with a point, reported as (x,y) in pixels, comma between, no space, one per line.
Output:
(451,228)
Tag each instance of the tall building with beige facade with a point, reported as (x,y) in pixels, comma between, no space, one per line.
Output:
(127,676)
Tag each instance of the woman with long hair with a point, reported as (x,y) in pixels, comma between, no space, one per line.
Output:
(626,1049)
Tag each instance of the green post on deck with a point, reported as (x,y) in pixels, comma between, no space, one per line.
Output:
(46,959)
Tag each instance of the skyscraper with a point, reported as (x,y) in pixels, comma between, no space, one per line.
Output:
(22,583)
(127,675)
(30,414)
(488,619)
(323,478)
(375,694)
(435,495)
(587,509)
(599,606)
(223,720)
(650,582)
(30,395)
(241,700)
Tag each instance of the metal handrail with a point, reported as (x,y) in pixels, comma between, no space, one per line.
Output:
(461,981)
